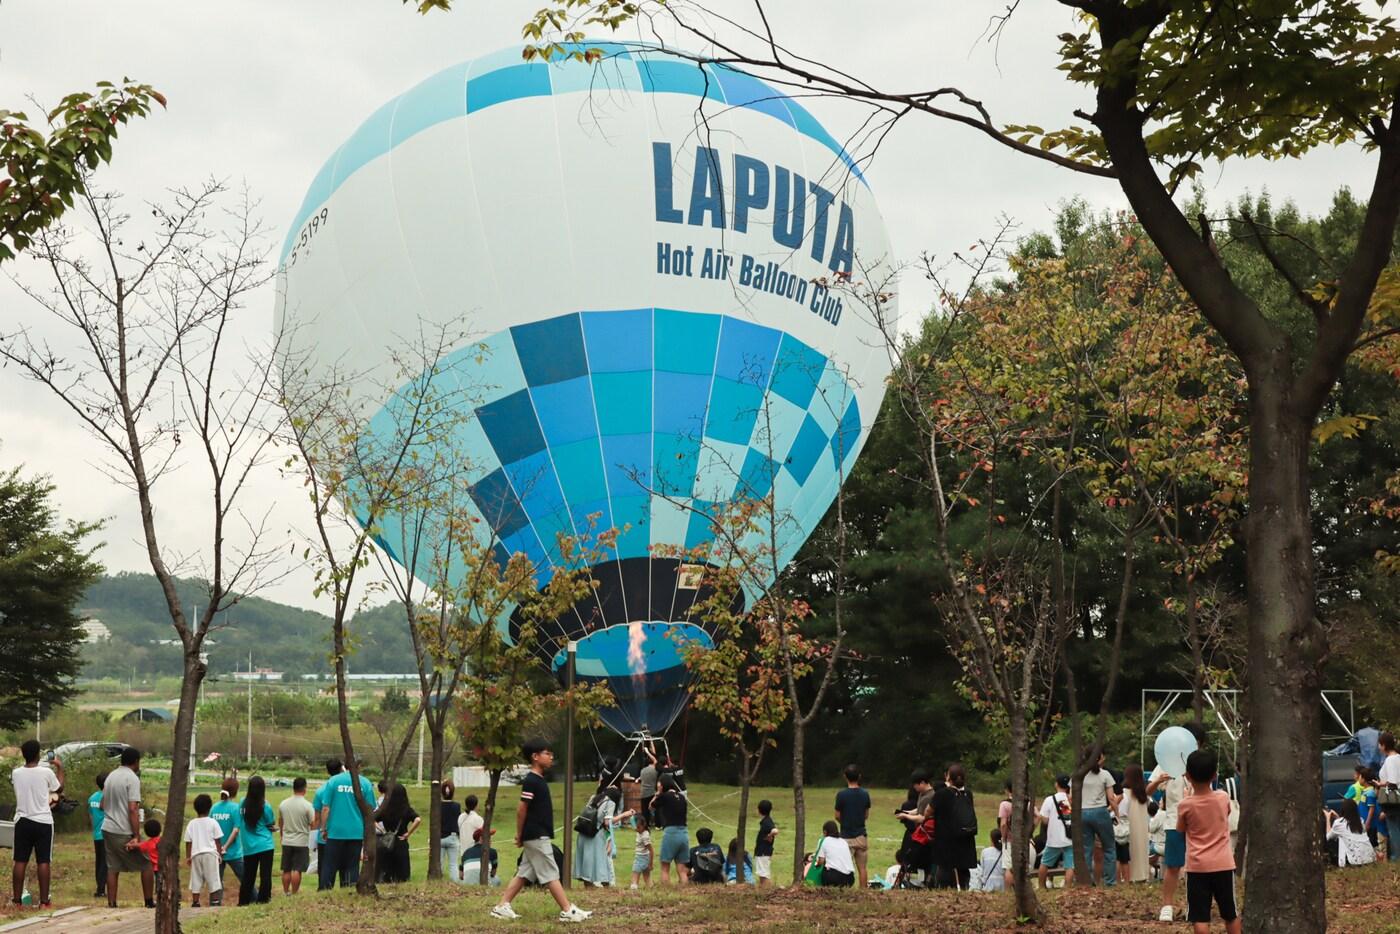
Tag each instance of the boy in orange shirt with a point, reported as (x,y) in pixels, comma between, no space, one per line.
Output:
(1203,818)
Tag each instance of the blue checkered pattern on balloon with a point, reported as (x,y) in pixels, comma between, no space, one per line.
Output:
(647,421)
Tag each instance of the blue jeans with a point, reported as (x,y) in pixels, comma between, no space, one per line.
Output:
(450,849)
(342,858)
(1098,824)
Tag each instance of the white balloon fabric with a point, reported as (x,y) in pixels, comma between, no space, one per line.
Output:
(654,251)
(1172,747)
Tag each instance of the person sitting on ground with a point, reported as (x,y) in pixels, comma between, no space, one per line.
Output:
(202,852)
(1354,848)
(992,867)
(834,856)
(706,861)
(471,861)
(731,865)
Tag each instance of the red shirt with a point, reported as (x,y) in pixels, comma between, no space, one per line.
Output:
(148,846)
(1204,818)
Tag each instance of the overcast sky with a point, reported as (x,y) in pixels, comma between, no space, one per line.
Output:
(263,90)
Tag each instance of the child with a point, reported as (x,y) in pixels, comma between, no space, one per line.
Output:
(731,865)
(992,871)
(99,849)
(203,852)
(706,860)
(1156,835)
(834,856)
(641,858)
(534,831)
(1203,818)
(150,845)
(763,846)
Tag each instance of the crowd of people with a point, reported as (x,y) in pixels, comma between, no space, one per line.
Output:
(1135,827)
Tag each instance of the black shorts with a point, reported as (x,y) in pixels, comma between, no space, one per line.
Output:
(33,838)
(1201,887)
(295,858)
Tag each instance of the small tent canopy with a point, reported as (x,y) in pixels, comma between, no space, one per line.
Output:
(148,715)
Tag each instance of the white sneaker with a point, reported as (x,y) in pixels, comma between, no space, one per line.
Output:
(504,912)
(575,913)
(1165,914)
(633,887)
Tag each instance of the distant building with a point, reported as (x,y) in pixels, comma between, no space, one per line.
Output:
(411,676)
(94,630)
(258,674)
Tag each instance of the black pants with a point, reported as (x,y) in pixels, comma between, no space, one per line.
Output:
(99,852)
(1202,888)
(839,879)
(339,857)
(256,867)
(952,877)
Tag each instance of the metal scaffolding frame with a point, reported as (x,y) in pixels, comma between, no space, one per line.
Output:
(1226,705)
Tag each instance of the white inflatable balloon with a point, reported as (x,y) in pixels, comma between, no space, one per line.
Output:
(1172,747)
(650,252)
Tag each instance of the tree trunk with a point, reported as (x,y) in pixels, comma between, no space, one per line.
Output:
(366,884)
(1286,649)
(487,815)
(799,799)
(1198,655)
(1027,905)
(747,767)
(435,828)
(169,895)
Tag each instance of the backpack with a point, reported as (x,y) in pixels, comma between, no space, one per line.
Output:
(587,821)
(709,864)
(963,813)
(1063,809)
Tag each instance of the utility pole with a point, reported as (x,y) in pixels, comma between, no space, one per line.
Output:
(250,708)
(38,722)
(568,771)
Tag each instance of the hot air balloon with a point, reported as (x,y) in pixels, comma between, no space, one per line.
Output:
(652,248)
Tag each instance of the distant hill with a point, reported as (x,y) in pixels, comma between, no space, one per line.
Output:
(281,637)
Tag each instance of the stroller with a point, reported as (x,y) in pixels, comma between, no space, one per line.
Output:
(915,856)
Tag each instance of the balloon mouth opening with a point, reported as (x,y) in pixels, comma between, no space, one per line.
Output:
(633,650)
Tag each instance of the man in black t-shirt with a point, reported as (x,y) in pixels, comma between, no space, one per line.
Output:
(534,831)
(763,845)
(852,809)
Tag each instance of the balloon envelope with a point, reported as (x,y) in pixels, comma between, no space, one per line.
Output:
(650,254)
(1172,747)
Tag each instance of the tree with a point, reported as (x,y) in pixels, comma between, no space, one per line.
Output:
(739,680)
(151,310)
(502,700)
(46,173)
(45,571)
(359,471)
(1176,83)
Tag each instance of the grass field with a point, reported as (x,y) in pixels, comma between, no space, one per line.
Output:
(1361,901)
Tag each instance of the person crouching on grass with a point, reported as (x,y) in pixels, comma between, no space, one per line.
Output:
(1203,818)
(534,833)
